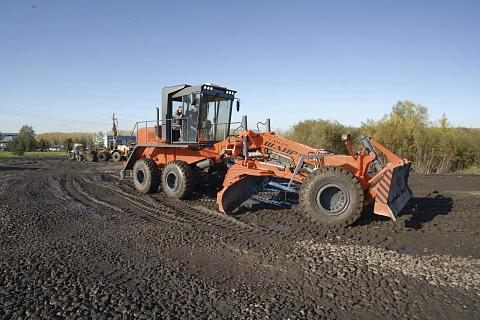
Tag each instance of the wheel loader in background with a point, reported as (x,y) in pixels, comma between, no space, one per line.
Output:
(196,138)
(115,152)
(113,149)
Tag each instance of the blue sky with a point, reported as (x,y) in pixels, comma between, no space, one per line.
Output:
(292,60)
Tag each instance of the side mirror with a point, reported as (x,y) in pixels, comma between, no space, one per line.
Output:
(238,105)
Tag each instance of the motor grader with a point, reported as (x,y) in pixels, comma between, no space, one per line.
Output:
(196,137)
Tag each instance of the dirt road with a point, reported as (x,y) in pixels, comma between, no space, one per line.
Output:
(76,242)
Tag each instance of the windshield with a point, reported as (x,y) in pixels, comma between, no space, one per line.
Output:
(214,119)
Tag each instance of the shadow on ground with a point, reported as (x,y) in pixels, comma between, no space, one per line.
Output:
(418,212)
(425,209)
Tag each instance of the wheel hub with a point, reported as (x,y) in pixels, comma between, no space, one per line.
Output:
(332,199)
(172,181)
(140,176)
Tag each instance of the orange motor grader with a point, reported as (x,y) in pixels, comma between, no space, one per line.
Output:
(197,138)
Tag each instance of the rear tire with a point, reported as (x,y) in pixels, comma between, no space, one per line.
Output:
(91,156)
(146,176)
(116,156)
(71,156)
(102,156)
(332,196)
(178,179)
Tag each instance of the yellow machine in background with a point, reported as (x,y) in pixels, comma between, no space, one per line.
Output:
(117,149)
(116,153)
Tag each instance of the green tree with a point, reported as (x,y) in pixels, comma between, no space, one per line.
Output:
(43,144)
(25,141)
(68,144)
(399,130)
(324,134)
(27,136)
(17,146)
(444,121)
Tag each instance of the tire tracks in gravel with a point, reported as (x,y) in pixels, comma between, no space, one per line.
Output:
(236,239)
(437,270)
(284,272)
(235,236)
(190,213)
(120,205)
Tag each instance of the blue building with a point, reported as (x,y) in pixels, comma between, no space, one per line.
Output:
(107,139)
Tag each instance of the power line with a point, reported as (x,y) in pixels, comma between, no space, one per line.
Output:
(45,117)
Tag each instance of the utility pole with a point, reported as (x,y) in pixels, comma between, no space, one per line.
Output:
(114,130)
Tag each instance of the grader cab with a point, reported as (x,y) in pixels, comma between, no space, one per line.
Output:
(195,136)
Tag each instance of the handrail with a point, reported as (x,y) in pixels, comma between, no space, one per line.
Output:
(186,126)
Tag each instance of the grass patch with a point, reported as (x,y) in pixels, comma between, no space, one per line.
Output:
(8,154)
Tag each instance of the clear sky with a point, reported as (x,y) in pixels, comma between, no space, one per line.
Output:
(62,61)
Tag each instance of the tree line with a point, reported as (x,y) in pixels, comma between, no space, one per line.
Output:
(28,141)
(433,147)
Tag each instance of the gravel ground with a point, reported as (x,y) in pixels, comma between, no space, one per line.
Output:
(75,242)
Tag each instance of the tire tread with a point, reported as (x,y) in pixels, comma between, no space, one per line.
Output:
(188,175)
(153,174)
(329,171)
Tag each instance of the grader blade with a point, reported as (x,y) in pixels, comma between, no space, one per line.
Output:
(237,193)
(392,191)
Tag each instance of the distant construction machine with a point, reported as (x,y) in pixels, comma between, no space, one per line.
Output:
(80,153)
(195,138)
(114,149)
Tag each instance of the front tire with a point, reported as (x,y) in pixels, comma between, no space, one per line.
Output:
(332,196)
(102,156)
(146,176)
(178,179)
(116,156)
(91,156)
(71,156)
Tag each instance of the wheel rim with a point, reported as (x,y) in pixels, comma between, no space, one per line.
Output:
(140,176)
(332,199)
(172,180)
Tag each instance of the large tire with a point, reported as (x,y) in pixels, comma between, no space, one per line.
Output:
(91,156)
(178,179)
(332,196)
(71,155)
(102,156)
(116,156)
(146,176)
